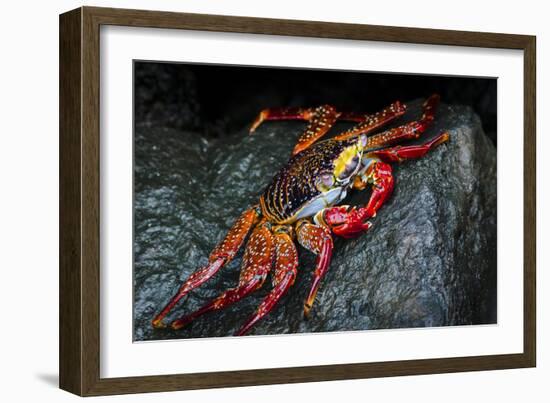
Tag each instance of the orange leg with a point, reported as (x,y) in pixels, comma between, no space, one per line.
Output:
(286,265)
(408,131)
(322,118)
(368,123)
(318,240)
(257,261)
(281,114)
(222,254)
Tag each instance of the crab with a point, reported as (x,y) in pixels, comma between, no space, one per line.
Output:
(301,204)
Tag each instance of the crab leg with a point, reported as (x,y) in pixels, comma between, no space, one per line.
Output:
(410,130)
(322,118)
(281,114)
(222,254)
(257,263)
(400,153)
(285,269)
(368,123)
(318,240)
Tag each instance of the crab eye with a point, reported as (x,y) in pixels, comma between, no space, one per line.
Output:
(325,181)
(350,168)
(363,140)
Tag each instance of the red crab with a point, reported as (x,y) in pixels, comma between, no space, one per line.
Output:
(300,203)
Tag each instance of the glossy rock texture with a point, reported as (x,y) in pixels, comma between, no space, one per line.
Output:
(428,260)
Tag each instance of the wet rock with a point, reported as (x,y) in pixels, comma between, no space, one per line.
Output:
(428,260)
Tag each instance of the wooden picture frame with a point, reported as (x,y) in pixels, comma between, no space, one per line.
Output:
(79,201)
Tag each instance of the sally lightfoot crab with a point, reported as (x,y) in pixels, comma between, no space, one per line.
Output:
(301,203)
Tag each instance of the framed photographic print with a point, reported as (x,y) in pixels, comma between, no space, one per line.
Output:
(277,201)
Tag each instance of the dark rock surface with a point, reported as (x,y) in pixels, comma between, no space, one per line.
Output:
(429,259)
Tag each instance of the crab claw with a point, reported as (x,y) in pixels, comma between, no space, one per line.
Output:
(345,221)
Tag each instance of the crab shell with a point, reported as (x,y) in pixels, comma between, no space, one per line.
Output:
(316,178)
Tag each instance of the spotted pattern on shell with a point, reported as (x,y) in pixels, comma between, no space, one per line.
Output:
(297,182)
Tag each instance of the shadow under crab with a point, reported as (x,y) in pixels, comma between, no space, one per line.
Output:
(428,260)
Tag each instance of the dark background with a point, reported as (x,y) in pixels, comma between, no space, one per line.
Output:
(180,95)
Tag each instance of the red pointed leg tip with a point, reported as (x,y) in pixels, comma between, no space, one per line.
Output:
(253,128)
(158,323)
(242,331)
(248,325)
(310,300)
(298,149)
(307,310)
(443,138)
(178,324)
(258,121)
